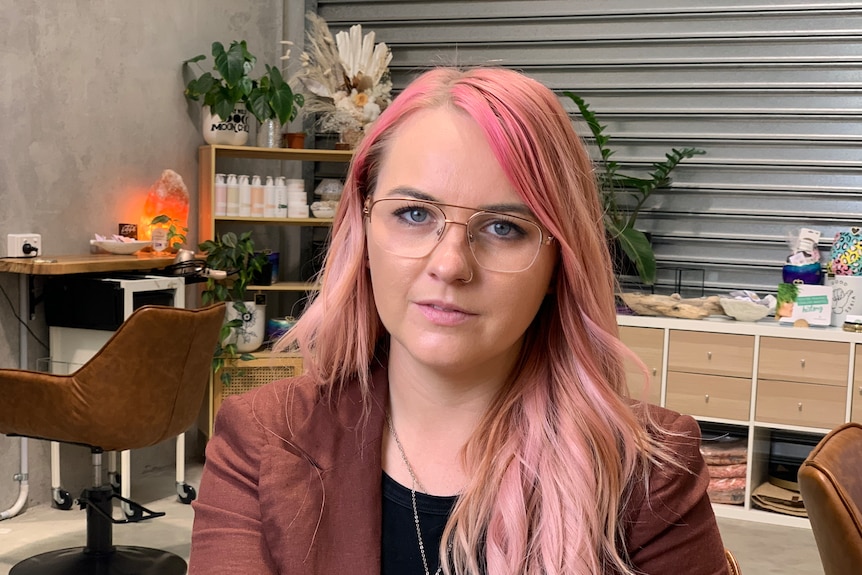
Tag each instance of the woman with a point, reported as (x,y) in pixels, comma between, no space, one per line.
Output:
(464,408)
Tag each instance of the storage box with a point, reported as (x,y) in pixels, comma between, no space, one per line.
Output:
(247,375)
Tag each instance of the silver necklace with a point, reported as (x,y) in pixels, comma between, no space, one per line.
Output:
(415,482)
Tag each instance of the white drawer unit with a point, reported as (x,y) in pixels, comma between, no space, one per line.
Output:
(761,379)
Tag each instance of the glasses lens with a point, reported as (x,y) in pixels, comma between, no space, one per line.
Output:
(411,228)
(406,227)
(503,243)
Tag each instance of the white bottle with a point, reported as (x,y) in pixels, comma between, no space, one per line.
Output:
(220,195)
(256,197)
(269,198)
(280,197)
(244,196)
(232,196)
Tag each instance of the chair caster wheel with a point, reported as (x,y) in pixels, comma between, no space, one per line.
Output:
(186,493)
(62,499)
(116,481)
(133,514)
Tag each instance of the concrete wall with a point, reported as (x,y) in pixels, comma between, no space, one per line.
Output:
(93,108)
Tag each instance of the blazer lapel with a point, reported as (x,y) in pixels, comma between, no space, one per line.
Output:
(321,496)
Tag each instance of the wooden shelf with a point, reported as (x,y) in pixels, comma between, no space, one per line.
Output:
(285,154)
(286,286)
(310,222)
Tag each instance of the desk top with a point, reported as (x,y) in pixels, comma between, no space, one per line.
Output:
(82,264)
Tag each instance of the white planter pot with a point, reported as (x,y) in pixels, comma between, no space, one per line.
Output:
(231,132)
(249,336)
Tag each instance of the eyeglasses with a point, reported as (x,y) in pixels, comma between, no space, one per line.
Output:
(411,228)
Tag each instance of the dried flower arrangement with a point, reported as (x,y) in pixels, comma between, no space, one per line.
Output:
(346,77)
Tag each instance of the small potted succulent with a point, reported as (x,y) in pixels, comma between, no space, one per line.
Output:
(224,93)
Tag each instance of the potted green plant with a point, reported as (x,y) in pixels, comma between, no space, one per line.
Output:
(624,195)
(173,236)
(271,97)
(225,93)
(245,319)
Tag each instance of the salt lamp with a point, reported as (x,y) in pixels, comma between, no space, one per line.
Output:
(168,196)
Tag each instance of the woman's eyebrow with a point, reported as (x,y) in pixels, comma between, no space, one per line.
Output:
(517,208)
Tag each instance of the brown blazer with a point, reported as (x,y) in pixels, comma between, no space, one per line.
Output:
(293,486)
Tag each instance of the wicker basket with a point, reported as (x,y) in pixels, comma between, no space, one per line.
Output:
(247,375)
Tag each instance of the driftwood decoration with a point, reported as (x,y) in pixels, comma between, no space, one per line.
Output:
(672,305)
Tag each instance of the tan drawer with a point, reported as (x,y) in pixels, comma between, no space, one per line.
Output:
(804,360)
(856,406)
(711,353)
(648,344)
(794,403)
(708,395)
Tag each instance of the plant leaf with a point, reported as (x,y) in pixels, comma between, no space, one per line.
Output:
(637,248)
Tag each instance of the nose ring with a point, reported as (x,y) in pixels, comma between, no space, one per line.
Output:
(468,280)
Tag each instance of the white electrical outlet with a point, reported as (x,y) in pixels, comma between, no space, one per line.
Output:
(23,245)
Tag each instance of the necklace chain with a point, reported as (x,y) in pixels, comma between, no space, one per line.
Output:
(414,483)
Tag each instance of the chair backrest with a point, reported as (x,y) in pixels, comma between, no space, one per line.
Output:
(145,385)
(830,480)
(732,565)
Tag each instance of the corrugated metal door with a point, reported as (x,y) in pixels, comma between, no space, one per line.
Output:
(771,91)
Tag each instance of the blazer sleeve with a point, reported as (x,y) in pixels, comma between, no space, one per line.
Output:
(227,536)
(672,529)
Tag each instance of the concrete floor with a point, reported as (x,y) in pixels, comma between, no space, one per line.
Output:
(761,549)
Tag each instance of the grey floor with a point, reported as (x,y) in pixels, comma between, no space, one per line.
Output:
(761,549)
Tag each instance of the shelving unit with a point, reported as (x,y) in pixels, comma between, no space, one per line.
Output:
(266,366)
(208,222)
(758,377)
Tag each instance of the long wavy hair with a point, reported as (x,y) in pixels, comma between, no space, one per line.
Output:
(553,460)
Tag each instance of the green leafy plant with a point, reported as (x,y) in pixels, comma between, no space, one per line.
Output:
(272,97)
(231,86)
(624,195)
(176,235)
(236,256)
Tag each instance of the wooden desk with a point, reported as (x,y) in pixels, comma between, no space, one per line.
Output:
(84,264)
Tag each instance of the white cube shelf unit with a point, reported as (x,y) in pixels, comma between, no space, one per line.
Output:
(757,378)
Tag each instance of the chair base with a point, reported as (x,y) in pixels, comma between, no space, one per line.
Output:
(123,561)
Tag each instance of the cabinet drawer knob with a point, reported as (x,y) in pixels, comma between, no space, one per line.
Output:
(709,355)
(706,398)
(802,362)
(654,372)
(799,405)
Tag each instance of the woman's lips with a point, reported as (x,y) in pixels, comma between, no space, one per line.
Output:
(443,314)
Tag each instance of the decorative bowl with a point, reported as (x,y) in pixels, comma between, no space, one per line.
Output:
(743,310)
(120,248)
(324,209)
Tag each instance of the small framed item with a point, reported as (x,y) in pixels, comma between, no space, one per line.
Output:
(804,303)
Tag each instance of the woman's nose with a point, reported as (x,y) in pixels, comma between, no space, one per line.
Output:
(451,259)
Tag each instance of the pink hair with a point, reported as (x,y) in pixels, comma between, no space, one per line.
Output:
(553,459)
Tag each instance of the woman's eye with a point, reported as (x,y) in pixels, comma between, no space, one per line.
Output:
(503,229)
(413,214)
(417,215)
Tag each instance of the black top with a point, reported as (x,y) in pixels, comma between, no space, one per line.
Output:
(400,546)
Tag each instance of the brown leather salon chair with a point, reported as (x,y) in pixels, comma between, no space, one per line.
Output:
(144,386)
(732,565)
(830,480)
